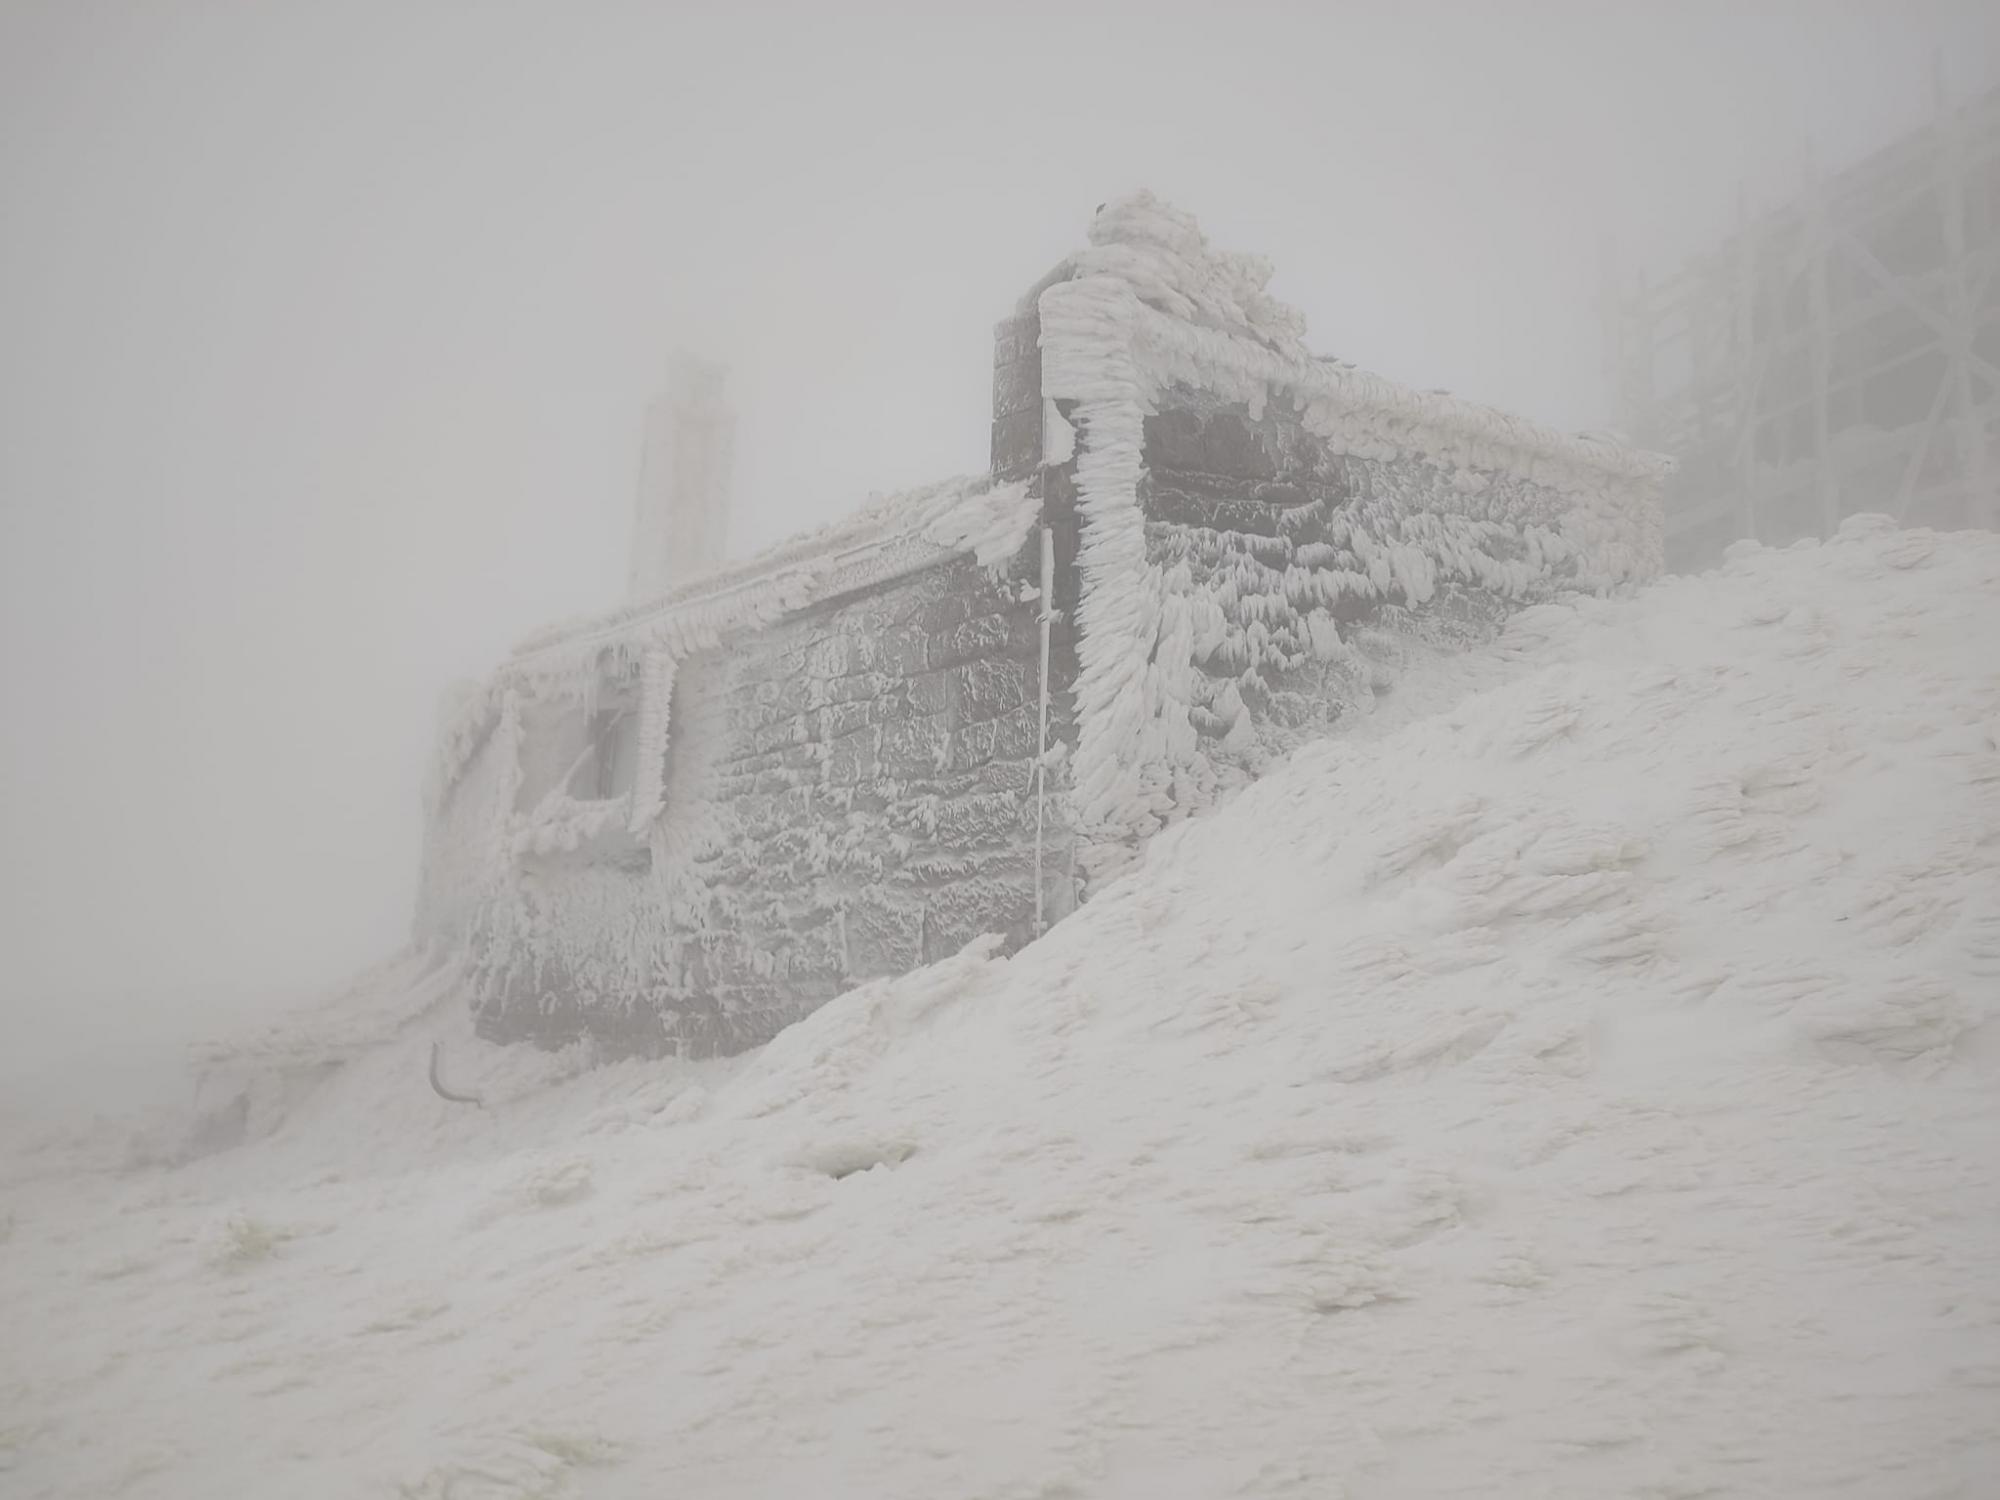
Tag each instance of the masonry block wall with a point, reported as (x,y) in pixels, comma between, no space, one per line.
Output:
(685,826)
(849,794)
(1265,541)
(1017,396)
(1304,564)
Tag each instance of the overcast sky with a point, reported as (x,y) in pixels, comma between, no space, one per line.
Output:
(325,330)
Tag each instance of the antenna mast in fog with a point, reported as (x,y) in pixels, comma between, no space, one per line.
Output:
(680,523)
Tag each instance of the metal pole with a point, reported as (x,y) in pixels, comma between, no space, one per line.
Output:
(1042,735)
(1818,247)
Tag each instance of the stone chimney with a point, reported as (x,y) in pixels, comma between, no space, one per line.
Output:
(680,525)
(1019,441)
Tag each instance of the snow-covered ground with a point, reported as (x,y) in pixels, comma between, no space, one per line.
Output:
(1576,1081)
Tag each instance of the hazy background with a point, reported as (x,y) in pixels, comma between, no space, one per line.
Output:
(325,330)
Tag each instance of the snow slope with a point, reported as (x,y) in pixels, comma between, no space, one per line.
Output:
(1574,1082)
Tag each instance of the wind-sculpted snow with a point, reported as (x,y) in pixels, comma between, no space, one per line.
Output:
(1577,1079)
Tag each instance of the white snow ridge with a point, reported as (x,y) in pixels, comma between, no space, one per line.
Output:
(1577,1080)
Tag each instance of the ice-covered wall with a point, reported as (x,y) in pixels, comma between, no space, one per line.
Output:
(686,823)
(1263,534)
(835,783)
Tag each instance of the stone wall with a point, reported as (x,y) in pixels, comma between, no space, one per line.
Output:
(818,768)
(1017,396)
(849,793)
(1304,568)
(1293,563)
(849,788)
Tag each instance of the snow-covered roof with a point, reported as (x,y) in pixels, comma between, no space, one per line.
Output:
(1204,315)
(891,537)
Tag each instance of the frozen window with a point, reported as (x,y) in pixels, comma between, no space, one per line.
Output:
(554,745)
(587,754)
(614,743)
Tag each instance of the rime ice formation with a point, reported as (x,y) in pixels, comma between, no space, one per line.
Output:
(1380,496)
(1162,255)
(1578,1080)
(684,824)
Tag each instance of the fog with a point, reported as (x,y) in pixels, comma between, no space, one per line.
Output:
(325,332)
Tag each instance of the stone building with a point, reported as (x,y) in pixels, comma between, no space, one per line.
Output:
(684,824)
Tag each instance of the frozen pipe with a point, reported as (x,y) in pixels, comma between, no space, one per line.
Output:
(438,1085)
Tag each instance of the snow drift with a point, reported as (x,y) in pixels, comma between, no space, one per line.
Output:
(1576,1081)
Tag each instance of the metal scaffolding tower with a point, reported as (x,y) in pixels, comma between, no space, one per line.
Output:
(1840,353)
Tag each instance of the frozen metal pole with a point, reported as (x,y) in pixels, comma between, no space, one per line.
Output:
(1042,734)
